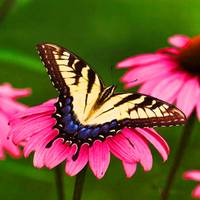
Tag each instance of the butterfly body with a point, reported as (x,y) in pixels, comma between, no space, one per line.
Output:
(87,111)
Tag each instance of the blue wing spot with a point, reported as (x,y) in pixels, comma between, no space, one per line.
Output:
(68,101)
(105,128)
(81,133)
(66,118)
(71,128)
(95,132)
(66,109)
(113,124)
(84,133)
(88,133)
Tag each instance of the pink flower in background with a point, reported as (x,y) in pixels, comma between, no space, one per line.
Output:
(34,125)
(194,175)
(170,74)
(9,107)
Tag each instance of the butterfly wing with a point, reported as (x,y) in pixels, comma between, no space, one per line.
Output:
(86,111)
(72,76)
(137,111)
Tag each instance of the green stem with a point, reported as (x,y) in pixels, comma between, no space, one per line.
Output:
(187,132)
(80,179)
(5,8)
(59,182)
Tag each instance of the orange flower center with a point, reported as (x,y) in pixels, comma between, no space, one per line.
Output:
(189,59)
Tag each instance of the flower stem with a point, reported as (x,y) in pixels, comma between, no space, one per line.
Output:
(59,182)
(78,188)
(5,8)
(187,132)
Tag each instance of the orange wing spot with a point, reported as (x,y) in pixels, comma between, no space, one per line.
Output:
(75,135)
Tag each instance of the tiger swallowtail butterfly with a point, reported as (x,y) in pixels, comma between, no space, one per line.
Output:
(87,111)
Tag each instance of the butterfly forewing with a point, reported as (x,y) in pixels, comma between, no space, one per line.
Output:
(67,69)
(73,76)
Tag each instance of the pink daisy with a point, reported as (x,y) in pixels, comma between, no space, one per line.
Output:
(171,74)
(9,107)
(194,175)
(34,125)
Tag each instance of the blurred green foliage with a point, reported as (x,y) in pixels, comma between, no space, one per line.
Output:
(102,33)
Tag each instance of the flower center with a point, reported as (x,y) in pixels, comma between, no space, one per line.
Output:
(189,58)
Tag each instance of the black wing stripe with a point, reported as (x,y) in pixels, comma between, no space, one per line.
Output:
(71,60)
(54,56)
(128,98)
(91,78)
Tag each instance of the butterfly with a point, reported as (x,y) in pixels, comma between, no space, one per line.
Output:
(87,110)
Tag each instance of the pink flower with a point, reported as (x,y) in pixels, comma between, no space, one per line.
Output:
(171,74)
(9,107)
(34,125)
(194,175)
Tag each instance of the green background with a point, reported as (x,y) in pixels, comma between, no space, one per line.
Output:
(102,33)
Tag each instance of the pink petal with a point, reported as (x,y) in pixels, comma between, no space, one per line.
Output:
(169,51)
(11,107)
(141,146)
(2,154)
(99,158)
(129,169)
(7,90)
(4,143)
(57,153)
(148,86)
(142,59)
(188,96)
(156,140)
(196,192)
(178,40)
(143,73)
(198,108)
(74,167)
(168,88)
(12,149)
(47,107)
(36,139)
(41,150)
(121,148)
(28,127)
(193,174)
(4,128)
